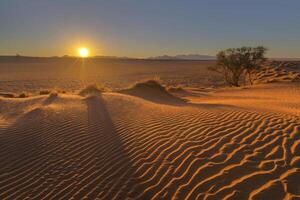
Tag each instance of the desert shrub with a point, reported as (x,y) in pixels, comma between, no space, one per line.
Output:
(62,91)
(7,95)
(92,89)
(152,90)
(176,89)
(53,95)
(236,64)
(45,92)
(23,95)
(155,84)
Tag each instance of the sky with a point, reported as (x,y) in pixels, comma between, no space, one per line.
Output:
(143,28)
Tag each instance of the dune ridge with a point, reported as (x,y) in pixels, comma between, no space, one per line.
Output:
(278,71)
(118,146)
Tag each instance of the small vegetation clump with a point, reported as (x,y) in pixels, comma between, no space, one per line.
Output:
(55,90)
(61,91)
(154,84)
(152,90)
(176,89)
(23,95)
(53,95)
(237,64)
(92,89)
(7,95)
(45,92)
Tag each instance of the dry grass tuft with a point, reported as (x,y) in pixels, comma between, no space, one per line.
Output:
(45,92)
(92,90)
(152,90)
(175,89)
(7,95)
(23,95)
(54,90)
(153,84)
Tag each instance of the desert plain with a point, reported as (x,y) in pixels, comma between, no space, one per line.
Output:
(189,138)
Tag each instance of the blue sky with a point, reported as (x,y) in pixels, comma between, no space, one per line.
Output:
(140,28)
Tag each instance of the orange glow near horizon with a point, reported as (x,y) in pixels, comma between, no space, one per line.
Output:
(83,52)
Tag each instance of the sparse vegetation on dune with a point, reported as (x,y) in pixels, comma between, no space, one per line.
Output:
(61,91)
(152,90)
(45,92)
(26,95)
(7,95)
(93,89)
(12,95)
(153,84)
(175,89)
(49,91)
(23,95)
(53,94)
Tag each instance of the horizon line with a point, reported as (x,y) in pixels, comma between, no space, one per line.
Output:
(136,58)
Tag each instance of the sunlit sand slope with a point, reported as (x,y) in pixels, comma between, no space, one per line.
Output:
(117,146)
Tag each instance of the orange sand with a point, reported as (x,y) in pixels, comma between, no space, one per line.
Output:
(225,144)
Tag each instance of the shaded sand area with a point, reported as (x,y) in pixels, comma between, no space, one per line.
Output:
(225,144)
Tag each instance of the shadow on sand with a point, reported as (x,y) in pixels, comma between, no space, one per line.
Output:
(173,100)
(118,177)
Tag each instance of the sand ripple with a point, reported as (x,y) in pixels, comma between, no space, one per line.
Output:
(122,147)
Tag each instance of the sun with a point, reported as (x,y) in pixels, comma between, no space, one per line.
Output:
(83,52)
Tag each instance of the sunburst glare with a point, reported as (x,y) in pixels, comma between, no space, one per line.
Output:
(83,52)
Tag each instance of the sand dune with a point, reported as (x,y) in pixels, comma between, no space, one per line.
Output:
(278,71)
(153,91)
(119,146)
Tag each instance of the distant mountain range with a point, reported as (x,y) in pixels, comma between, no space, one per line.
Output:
(184,57)
(164,57)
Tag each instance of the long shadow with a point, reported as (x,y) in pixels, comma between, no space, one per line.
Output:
(116,163)
(176,101)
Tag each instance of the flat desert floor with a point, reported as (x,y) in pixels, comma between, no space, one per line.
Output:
(220,144)
(31,75)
